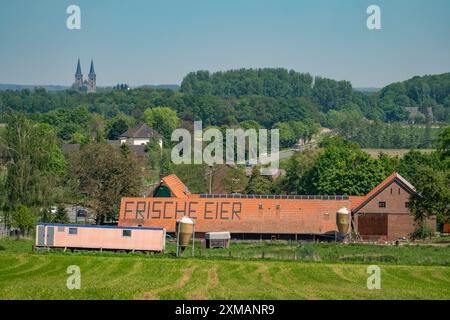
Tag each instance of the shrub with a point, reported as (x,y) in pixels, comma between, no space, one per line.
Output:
(23,219)
(423,231)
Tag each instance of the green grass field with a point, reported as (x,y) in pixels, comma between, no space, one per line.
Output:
(330,252)
(28,275)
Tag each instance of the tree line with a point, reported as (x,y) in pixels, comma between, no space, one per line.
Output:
(269,97)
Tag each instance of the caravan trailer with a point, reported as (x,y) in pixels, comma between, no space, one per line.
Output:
(93,237)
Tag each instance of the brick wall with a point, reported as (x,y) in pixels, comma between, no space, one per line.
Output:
(400,223)
(276,216)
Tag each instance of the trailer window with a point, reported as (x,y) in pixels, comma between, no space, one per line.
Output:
(126,233)
(61,229)
(73,230)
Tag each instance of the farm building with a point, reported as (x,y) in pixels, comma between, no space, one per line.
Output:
(380,215)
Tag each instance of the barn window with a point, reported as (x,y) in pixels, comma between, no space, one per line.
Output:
(278,207)
(406,204)
(126,233)
(73,230)
(382,204)
(260,206)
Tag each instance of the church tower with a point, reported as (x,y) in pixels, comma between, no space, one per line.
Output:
(78,76)
(92,79)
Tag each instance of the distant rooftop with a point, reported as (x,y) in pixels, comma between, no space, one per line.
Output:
(141,131)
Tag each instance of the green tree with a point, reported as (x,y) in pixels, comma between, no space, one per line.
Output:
(250,124)
(102,174)
(433,195)
(162,119)
(61,215)
(259,184)
(155,154)
(444,142)
(287,134)
(339,168)
(23,219)
(35,164)
(345,171)
(118,125)
(298,173)
(431,176)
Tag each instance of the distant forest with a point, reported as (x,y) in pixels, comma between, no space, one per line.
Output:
(406,114)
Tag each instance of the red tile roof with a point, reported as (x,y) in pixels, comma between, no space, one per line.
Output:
(356,200)
(178,188)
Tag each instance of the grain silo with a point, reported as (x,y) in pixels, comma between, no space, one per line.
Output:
(343,218)
(185,230)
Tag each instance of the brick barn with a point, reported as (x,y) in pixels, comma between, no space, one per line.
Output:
(380,215)
(383,213)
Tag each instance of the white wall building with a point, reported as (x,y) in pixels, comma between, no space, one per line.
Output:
(140,135)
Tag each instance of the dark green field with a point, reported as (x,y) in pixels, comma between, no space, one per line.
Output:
(28,275)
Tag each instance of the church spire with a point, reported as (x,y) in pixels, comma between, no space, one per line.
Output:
(78,73)
(92,79)
(92,70)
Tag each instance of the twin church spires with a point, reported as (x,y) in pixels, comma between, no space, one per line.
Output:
(91,84)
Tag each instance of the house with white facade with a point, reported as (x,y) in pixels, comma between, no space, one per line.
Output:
(140,135)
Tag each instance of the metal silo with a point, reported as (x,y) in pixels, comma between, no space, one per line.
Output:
(185,228)
(343,217)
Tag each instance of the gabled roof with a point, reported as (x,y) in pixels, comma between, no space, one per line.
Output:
(141,131)
(175,185)
(394,177)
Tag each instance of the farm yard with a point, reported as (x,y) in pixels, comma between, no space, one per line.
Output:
(322,271)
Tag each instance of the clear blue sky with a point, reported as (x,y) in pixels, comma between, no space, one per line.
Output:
(159,41)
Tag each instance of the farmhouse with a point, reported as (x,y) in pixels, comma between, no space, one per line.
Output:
(136,138)
(381,215)
(140,135)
